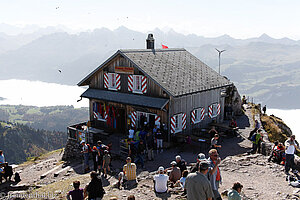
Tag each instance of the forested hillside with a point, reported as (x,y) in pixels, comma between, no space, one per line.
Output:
(48,118)
(20,142)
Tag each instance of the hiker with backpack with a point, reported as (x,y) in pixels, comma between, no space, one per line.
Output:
(256,139)
(256,127)
(100,147)
(291,146)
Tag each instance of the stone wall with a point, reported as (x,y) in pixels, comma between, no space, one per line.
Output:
(72,150)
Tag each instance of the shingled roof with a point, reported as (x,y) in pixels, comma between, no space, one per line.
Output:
(177,71)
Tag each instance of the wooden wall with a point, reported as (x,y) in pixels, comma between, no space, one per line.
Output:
(97,80)
(186,104)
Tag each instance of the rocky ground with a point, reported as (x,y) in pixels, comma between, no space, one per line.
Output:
(261,179)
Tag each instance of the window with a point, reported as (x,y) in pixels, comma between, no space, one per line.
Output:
(178,123)
(112,81)
(137,83)
(199,115)
(214,110)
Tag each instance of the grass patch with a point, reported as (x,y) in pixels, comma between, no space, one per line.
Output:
(275,133)
(35,110)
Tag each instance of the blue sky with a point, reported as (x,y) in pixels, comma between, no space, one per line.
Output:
(237,18)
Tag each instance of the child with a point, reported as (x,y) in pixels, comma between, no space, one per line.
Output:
(76,194)
(106,162)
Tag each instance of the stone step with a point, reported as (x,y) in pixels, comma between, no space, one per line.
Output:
(62,170)
(50,171)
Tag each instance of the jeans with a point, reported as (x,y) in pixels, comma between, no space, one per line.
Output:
(139,158)
(289,162)
(159,145)
(150,154)
(86,159)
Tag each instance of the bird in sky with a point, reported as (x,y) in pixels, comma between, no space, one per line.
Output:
(57,8)
(59,71)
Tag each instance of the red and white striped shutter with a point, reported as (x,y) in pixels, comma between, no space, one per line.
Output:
(172,125)
(210,110)
(144,84)
(118,81)
(106,83)
(105,115)
(157,119)
(133,119)
(218,109)
(183,121)
(193,117)
(130,83)
(202,113)
(95,115)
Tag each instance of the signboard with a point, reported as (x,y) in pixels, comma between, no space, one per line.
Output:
(124,70)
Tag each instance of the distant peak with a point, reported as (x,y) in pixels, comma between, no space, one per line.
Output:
(265,36)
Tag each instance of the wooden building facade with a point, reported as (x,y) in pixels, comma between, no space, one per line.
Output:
(169,88)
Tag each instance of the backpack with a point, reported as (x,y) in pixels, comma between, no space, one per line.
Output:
(253,138)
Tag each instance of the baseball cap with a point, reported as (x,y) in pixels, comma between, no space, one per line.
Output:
(201,156)
(161,168)
(204,164)
(173,162)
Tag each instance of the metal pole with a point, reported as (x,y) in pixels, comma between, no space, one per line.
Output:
(220,58)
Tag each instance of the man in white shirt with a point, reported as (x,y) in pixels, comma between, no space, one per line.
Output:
(290,147)
(161,181)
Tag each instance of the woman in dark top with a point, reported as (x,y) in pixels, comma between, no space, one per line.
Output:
(76,194)
(94,190)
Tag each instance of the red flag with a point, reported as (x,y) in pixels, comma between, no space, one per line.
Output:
(164,46)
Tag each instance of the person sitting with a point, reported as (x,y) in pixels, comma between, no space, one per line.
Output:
(2,159)
(8,171)
(180,163)
(200,157)
(128,174)
(234,193)
(175,173)
(94,190)
(76,194)
(181,182)
(1,174)
(160,181)
(233,125)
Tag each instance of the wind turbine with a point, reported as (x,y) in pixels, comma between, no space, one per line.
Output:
(220,58)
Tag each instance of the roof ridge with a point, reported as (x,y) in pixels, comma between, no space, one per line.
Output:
(150,50)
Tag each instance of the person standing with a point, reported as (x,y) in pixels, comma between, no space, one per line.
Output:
(160,181)
(94,190)
(290,148)
(200,157)
(197,185)
(85,151)
(214,142)
(131,133)
(106,162)
(95,157)
(150,145)
(256,127)
(215,173)
(256,141)
(159,139)
(234,193)
(264,109)
(180,163)
(140,153)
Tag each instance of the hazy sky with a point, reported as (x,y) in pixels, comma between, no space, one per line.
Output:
(238,18)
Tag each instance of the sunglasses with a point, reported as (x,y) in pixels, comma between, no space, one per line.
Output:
(215,155)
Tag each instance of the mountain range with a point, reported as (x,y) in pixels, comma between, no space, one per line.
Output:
(263,68)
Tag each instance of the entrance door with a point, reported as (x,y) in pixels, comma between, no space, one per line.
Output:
(151,121)
(121,123)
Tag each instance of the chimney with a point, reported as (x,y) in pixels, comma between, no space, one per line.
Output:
(150,41)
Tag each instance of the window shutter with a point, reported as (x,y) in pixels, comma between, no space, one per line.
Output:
(106,82)
(202,113)
(210,111)
(183,121)
(218,109)
(130,83)
(157,120)
(133,119)
(144,84)
(172,124)
(193,117)
(118,81)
